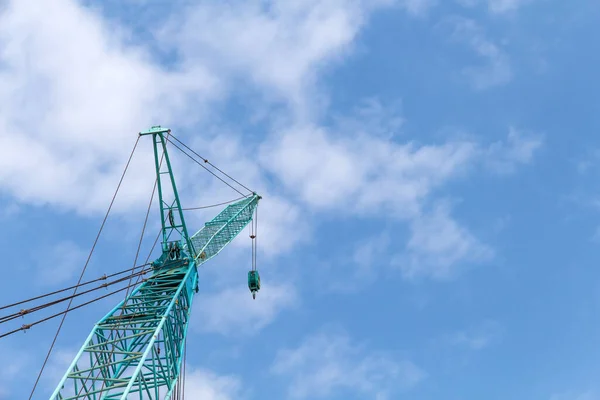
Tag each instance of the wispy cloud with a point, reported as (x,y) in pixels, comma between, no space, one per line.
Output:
(477,337)
(503,6)
(496,6)
(233,311)
(497,69)
(284,45)
(439,246)
(207,385)
(361,173)
(519,149)
(326,364)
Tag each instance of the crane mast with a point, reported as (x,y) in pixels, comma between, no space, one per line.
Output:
(136,350)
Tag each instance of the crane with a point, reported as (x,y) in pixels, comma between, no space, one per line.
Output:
(136,350)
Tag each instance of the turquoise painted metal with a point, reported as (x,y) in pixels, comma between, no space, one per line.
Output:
(253,282)
(136,350)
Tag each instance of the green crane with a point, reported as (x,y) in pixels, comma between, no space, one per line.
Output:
(136,350)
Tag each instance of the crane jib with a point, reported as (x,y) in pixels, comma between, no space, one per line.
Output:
(221,230)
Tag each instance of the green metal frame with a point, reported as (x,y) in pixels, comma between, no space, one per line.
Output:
(136,350)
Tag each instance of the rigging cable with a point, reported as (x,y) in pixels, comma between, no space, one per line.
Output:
(84,269)
(28,311)
(131,278)
(253,235)
(211,164)
(102,278)
(28,326)
(215,175)
(213,205)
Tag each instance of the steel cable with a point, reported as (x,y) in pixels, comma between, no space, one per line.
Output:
(102,278)
(215,175)
(209,163)
(84,268)
(28,326)
(28,311)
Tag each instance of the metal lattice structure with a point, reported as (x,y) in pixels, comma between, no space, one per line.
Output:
(136,350)
(217,234)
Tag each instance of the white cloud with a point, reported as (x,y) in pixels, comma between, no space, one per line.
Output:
(284,45)
(72,123)
(74,102)
(233,311)
(354,173)
(207,385)
(328,363)
(373,118)
(477,337)
(282,223)
(438,246)
(73,96)
(497,70)
(360,173)
(519,148)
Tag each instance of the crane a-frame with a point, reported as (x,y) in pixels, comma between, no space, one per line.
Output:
(136,350)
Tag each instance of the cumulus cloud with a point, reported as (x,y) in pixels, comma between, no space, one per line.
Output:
(73,97)
(69,117)
(328,364)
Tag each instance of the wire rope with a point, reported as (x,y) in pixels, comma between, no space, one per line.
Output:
(132,275)
(84,268)
(213,205)
(102,278)
(209,163)
(28,326)
(215,175)
(28,311)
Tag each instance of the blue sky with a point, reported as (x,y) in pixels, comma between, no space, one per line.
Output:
(430,220)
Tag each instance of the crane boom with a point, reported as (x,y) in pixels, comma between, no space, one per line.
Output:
(137,348)
(217,234)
